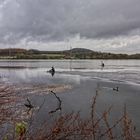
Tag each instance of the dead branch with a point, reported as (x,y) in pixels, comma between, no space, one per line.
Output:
(93,113)
(59,103)
(29,105)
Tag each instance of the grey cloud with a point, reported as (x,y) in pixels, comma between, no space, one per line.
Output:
(45,20)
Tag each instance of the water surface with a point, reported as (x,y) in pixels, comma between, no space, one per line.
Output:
(84,76)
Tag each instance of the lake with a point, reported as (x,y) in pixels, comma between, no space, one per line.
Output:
(76,82)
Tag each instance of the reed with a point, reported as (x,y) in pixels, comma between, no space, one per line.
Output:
(7,99)
(71,126)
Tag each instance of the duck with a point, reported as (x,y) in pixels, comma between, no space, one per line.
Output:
(116,88)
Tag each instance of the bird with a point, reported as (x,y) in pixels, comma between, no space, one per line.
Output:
(116,88)
(102,64)
(52,71)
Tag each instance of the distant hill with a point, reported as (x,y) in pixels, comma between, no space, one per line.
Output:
(79,50)
(75,53)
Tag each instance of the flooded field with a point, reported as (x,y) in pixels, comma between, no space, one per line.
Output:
(75,82)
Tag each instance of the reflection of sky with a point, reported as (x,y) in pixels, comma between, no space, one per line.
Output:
(41,76)
(36,72)
(38,76)
(75,64)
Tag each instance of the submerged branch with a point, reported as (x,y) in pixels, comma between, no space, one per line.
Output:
(29,105)
(59,105)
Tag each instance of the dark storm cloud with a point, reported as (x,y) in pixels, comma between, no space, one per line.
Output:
(45,20)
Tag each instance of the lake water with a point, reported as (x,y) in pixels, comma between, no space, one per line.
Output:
(127,71)
(84,77)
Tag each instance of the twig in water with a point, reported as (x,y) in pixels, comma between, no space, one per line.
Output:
(29,105)
(59,105)
(93,112)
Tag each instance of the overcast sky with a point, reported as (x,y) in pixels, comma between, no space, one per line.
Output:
(100,25)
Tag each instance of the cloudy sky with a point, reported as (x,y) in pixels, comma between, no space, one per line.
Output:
(100,25)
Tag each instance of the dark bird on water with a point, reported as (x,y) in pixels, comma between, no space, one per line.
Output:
(102,64)
(52,71)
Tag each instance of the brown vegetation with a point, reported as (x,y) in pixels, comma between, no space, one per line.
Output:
(72,126)
(7,98)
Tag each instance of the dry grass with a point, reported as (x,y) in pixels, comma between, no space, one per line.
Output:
(7,99)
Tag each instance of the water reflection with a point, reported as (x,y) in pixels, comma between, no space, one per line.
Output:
(68,64)
(37,76)
(85,76)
